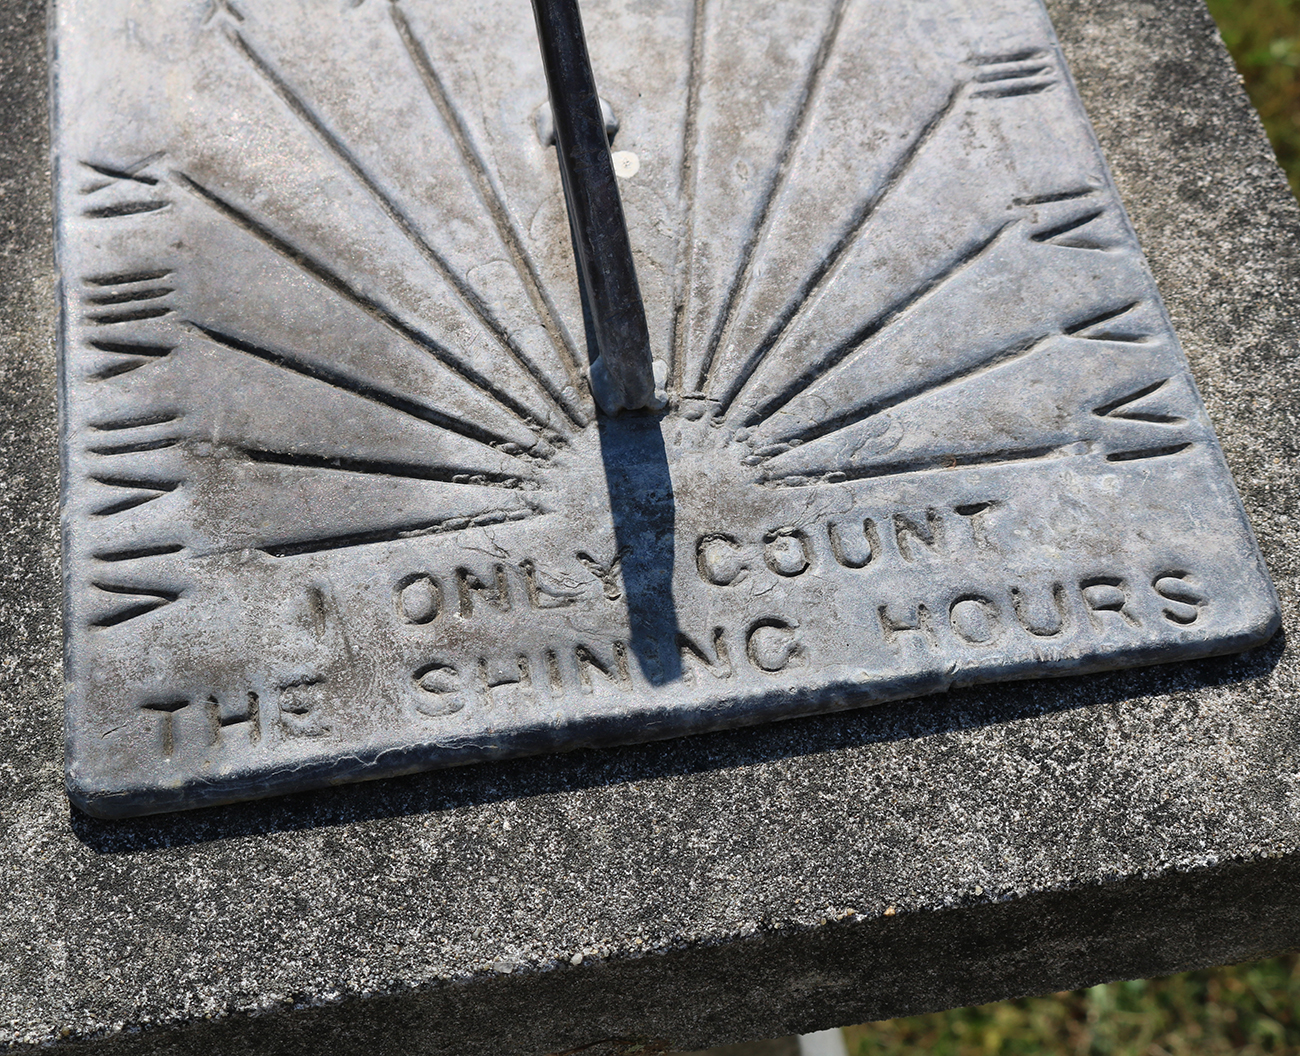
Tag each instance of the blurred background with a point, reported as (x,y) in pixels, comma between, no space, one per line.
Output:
(1264,38)
(1244,1010)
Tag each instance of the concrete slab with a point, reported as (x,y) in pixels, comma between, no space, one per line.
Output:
(987,843)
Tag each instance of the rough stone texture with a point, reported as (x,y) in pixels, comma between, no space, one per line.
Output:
(911,857)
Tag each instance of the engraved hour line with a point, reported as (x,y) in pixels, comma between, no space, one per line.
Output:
(158,598)
(961,375)
(1114,409)
(133,173)
(468,295)
(356,387)
(384,468)
(1015,81)
(123,304)
(1057,196)
(491,199)
(929,464)
(129,296)
(121,209)
(866,209)
(409,531)
(128,278)
(371,307)
(793,138)
(855,342)
(132,447)
(147,490)
(949,462)
(139,553)
(1147,452)
(687,187)
(1068,225)
(139,422)
(127,348)
(1123,336)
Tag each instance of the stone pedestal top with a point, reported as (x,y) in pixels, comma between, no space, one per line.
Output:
(989,842)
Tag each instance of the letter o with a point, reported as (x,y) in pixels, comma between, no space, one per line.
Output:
(418,598)
(720,560)
(975,619)
(441,682)
(788,552)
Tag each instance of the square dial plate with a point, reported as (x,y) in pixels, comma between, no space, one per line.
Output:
(338,503)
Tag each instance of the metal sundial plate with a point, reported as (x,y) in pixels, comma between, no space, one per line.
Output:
(338,504)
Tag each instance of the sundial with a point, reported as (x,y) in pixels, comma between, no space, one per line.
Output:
(438,389)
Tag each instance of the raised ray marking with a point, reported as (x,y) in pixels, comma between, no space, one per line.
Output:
(127,447)
(687,186)
(133,348)
(117,369)
(488,194)
(141,355)
(132,447)
(131,315)
(793,137)
(357,387)
(1019,73)
(335,283)
(1001,357)
(1013,90)
(1003,59)
(1123,336)
(131,173)
(1011,76)
(115,175)
(822,366)
(867,207)
(467,294)
(220,8)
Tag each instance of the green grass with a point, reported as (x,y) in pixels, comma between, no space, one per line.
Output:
(1264,38)
(1243,1010)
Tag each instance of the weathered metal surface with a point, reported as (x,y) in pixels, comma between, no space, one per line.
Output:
(338,503)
